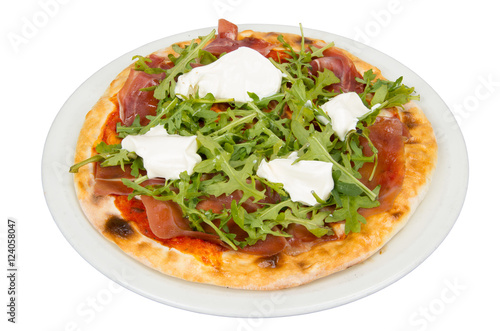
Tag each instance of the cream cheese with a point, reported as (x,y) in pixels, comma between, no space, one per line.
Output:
(344,111)
(299,179)
(164,155)
(232,77)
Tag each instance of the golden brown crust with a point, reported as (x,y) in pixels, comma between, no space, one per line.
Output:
(245,271)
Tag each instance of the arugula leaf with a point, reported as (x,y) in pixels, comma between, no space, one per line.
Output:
(324,79)
(187,55)
(255,226)
(108,155)
(315,223)
(320,145)
(385,94)
(133,129)
(237,179)
(142,65)
(75,167)
(349,212)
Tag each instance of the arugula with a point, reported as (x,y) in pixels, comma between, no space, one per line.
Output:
(182,65)
(110,155)
(237,179)
(385,94)
(349,211)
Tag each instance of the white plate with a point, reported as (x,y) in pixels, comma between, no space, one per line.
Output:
(426,230)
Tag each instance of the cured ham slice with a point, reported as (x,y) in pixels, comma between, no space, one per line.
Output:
(165,218)
(302,240)
(217,204)
(114,172)
(388,135)
(132,100)
(342,67)
(105,187)
(227,30)
(166,221)
(108,180)
(272,245)
(226,41)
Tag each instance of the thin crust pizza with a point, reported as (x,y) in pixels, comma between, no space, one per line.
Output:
(253,160)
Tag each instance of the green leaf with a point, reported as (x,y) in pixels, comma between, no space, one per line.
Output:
(138,189)
(349,212)
(315,224)
(319,149)
(142,65)
(167,85)
(380,95)
(74,168)
(237,179)
(103,148)
(325,78)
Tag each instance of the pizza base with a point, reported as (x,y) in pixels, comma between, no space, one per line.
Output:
(244,271)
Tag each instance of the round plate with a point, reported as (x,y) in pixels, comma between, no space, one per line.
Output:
(410,247)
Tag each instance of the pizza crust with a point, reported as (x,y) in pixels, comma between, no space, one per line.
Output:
(244,271)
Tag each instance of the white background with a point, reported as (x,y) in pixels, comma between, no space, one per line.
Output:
(452,46)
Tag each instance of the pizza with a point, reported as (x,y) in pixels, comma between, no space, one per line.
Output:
(253,160)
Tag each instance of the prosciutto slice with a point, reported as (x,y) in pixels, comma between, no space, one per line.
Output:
(388,135)
(272,245)
(166,221)
(114,172)
(343,67)
(108,180)
(217,204)
(165,218)
(226,41)
(132,100)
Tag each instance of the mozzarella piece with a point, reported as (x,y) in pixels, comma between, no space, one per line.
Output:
(164,155)
(232,77)
(299,179)
(344,111)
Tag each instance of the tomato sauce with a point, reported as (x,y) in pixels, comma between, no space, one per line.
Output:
(204,251)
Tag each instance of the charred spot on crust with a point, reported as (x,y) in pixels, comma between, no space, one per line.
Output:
(412,141)
(303,265)
(298,40)
(96,199)
(272,34)
(119,227)
(269,261)
(408,119)
(308,41)
(397,214)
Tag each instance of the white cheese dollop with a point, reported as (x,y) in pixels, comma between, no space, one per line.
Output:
(301,178)
(344,110)
(164,155)
(232,77)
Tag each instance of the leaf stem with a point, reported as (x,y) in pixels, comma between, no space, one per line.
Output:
(161,91)
(158,117)
(96,158)
(344,171)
